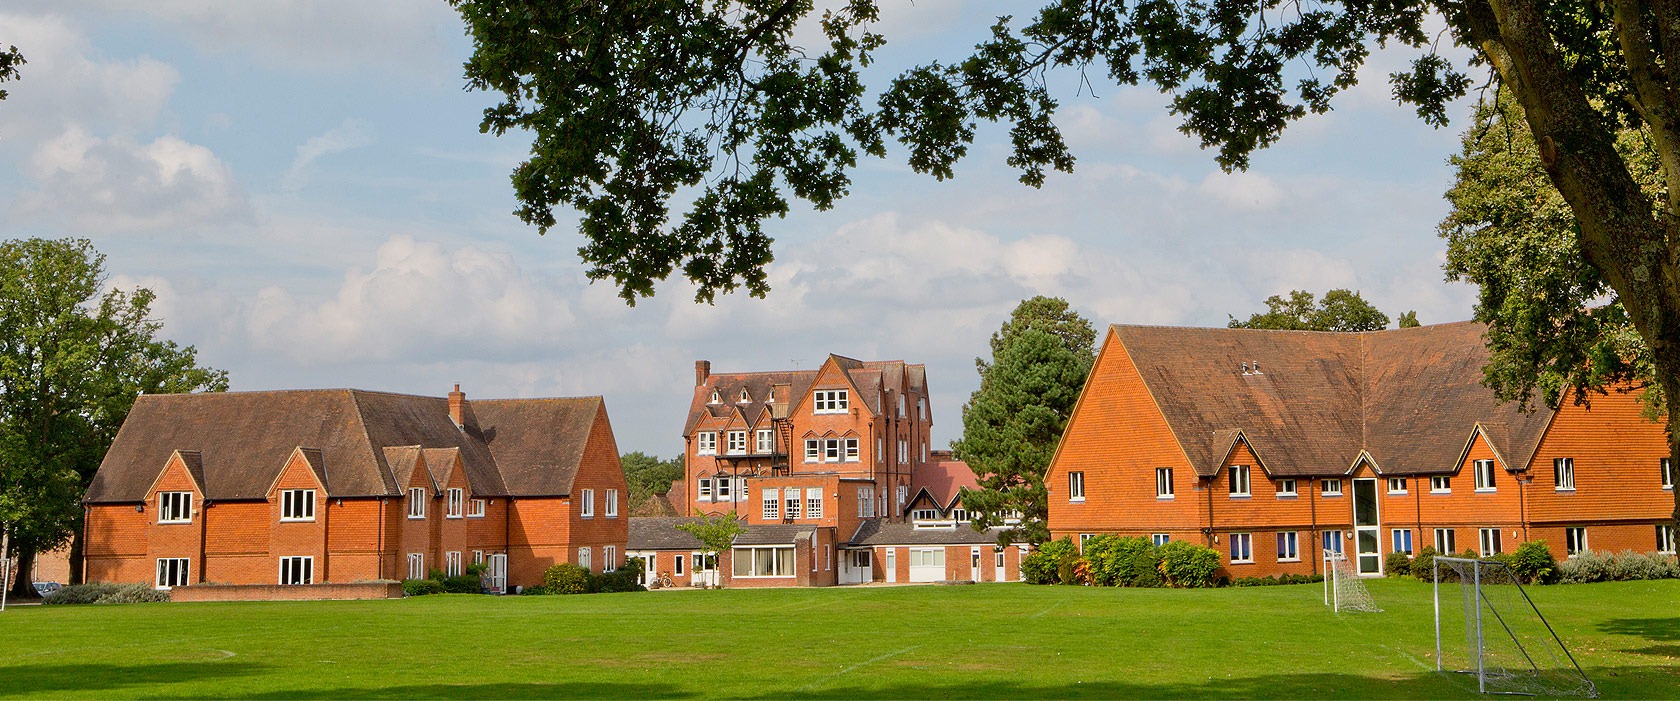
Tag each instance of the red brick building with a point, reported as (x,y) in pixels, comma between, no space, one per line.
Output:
(337,486)
(1270,445)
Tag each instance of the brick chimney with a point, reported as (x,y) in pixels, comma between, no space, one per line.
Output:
(702,370)
(458,406)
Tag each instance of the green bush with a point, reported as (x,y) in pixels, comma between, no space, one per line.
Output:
(622,579)
(1188,565)
(477,569)
(436,575)
(538,590)
(104,593)
(1140,563)
(1103,560)
(1533,563)
(422,587)
(1398,564)
(566,578)
(1423,565)
(463,584)
(1040,566)
(1596,566)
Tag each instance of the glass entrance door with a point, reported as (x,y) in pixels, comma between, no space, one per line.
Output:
(1365,525)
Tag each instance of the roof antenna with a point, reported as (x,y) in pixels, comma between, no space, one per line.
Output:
(796,362)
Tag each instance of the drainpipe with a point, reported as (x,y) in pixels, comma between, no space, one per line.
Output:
(380,536)
(1209,490)
(203,527)
(1312,508)
(1522,507)
(326,535)
(1417,497)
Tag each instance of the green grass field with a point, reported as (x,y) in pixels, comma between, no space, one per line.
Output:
(982,641)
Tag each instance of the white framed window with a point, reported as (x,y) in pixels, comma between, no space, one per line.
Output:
(774,561)
(1563,474)
(901,406)
(725,489)
(813,450)
(1397,485)
(1160,539)
(475,508)
(677,566)
(772,501)
(297,570)
(793,502)
(585,559)
(297,505)
(1076,486)
(705,443)
(1333,541)
(609,553)
(715,398)
(813,502)
(1286,487)
(173,572)
(417,502)
(924,514)
(880,450)
(959,515)
(1446,541)
(1665,538)
(1239,480)
(1575,541)
(924,450)
(478,557)
(745,396)
(612,503)
(1402,538)
(704,491)
(1441,484)
(1289,546)
(1490,542)
(737,442)
(1242,547)
(851,450)
(1484,476)
(452,563)
(903,495)
(921,408)
(927,557)
(456,503)
(175,507)
(903,451)
(1083,537)
(866,502)
(831,450)
(1330,488)
(766,441)
(1163,483)
(586,504)
(832,401)
(1667,474)
(416,566)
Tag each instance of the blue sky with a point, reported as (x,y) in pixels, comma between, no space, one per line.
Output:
(304,184)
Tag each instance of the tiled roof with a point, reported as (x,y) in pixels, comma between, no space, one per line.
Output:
(943,477)
(1409,397)
(660,533)
(881,532)
(773,534)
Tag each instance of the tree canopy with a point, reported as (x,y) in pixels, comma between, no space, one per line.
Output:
(648,476)
(1011,425)
(1340,310)
(74,355)
(716,533)
(10,59)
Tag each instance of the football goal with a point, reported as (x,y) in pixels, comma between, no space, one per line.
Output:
(1506,642)
(1343,589)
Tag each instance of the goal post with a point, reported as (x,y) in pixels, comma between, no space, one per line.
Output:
(1508,644)
(1343,587)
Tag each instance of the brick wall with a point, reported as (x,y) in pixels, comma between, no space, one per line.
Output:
(272,592)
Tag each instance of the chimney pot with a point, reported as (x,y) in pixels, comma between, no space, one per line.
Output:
(702,370)
(1245,368)
(458,406)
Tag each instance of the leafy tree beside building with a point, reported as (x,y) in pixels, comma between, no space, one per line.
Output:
(1340,310)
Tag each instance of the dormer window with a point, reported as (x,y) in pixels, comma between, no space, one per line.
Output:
(771,397)
(715,398)
(745,397)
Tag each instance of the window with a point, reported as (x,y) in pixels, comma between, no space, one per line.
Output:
(866,502)
(1163,483)
(478,557)
(880,450)
(714,398)
(903,451)
(1575,541)
(1289,546)
(1076,486)
(766,442)
(705,489)
(297,570)
(297,505)
(585,559)
(1484,476)
(456,499)
(612,503)
(1445,541)
(813,502)
(1330,488)
(175,507)
(416,566)
(475,508)
(1402,540)
(173,572)
(831,401)
(791,497)
(745,397)
(813,450)
(705,443)
(924,450)
(924,514)
(851,450)
(1665,538)
(959,515)
(770,397)
(901,406)
(1667,474)
(763,562)
(586,504)
(609,554)
(1490,542)
(1082,538)
(1440,485)
(921,408)
(831,450)
(1242,547)
(1239,480)
(1396,485)
(678,569)
(737,442)
(1563,474)
(1286,487)
(1333,541)
(927,557)
(723,488)
(772,503)
(452,563)
(1160,539)
(417,502)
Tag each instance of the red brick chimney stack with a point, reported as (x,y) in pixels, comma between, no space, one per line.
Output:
(702,370)
(458,406)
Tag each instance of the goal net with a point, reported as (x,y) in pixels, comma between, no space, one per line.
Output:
(1497,633)
(1343,589)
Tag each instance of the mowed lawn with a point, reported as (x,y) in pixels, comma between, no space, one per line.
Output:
(981,641)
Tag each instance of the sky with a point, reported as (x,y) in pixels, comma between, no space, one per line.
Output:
(304,185)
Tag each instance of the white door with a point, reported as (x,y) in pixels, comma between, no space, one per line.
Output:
(892,564)
(1002,571)
(498,573)
(1366,524)
(649,569)
(974,564)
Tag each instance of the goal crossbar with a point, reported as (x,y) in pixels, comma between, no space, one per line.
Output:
(1475,568)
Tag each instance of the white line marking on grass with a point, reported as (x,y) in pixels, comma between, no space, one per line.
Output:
(850,669)
(1409,658)
(1052,607)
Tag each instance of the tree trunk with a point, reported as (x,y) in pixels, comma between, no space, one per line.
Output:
(76,555)
(1671,389)
(23,587)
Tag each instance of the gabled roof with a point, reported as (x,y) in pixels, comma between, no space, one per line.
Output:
(943,478)
(729,386)
(1408,397)
(537,443)
(660,533)
(881,532)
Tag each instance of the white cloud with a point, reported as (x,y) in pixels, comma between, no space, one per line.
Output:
(67,80)
(119,185)
(1242,190)
(350,134)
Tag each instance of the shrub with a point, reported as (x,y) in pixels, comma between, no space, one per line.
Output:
(1533,563)
(1040,566)
(1398,564)
(436,574)
(1188,565)
(478,569)
(104,593)
(1139,563)
(538,590)
(463,584)
(1596,566)
(1423,566)
(566,578)
(1102,557)
(422,587)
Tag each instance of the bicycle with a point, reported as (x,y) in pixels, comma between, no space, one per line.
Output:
(662,581)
